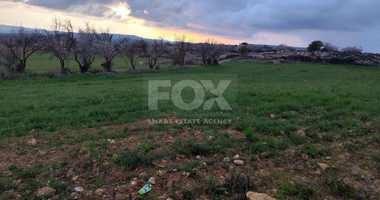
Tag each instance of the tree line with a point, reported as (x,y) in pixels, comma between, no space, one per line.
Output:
(88,43)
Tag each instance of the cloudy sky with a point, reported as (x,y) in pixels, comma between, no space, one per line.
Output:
(292,22)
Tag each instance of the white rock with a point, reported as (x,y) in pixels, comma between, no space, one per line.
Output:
(32,142)
(236,157)
(152,180)
(258,196)
(46,191)
(239,162)
(226,159)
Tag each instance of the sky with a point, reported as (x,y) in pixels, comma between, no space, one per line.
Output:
(291,22)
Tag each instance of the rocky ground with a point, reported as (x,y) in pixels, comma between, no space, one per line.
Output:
(182,162)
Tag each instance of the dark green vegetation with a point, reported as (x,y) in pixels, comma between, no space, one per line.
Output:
(292,115)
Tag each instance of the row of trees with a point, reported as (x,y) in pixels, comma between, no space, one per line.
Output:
(328,47)
(88,43)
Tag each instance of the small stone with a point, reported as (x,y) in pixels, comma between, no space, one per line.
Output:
(239,162)
(111,141)
(258,196)
(17,182)
(301,132)
(32,142)
(187,174)
(323,166)
(199,158)
(75,178)
(134,183)
(169,198)
(272,116)
(175,170)
(226,159)
(152,180)
(46,192)
(99,192)
(305,157)
(142,175)
(204,164)
(160,172)
(210,137)
(236,157)
(41,153)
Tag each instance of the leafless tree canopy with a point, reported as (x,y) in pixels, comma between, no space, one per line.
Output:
(352,50)
(107,49)
(328,47)
(84,50)
(131,49)
(60,42)
(153,51)
(180,50)
(17,49)
(210,52)
(243,49)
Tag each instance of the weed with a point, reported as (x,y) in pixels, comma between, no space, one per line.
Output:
(296,191)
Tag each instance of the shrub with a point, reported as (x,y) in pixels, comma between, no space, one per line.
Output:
(315,46)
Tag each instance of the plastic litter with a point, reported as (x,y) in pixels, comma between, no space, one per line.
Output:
(78,188)
(144,190)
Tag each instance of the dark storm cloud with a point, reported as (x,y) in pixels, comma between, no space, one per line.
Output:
(242,18)
(348,15)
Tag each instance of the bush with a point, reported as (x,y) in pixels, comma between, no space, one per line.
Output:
(315,46)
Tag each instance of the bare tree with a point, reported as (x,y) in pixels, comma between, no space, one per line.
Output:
(328,47)
(18,48)
(60,42)
(131,49)
(153,51)
(180,50)
(84,50)
(243,49)
(107,49)
(352,50)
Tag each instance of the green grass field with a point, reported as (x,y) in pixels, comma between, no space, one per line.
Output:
(319,111)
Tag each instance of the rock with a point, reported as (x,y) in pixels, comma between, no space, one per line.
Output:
(204,164)
(134,183)
(301,133)
(272,116)
(46,192)
(323,166)
(169,198)
(142,174)
(152,180)
(84,153)
(236,157)
(305,157)
(99,192)
(199,158)
(75,178)
(41,153)
(160,172)
(32,142)
(210,137)
(17,182)
(239,162)
(226,159)
(258,196)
